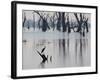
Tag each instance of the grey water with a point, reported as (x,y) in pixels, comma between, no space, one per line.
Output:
(62,49)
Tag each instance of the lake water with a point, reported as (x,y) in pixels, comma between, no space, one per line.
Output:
(62,49)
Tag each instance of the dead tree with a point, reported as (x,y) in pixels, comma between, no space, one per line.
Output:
(33,20)
(28,25)
(79,21)
(72,25)
(59,21)
(82,21)
(86,24)
(68,24)
(24,19)
(53,20)
(63,22)
(45,24)
(39,23)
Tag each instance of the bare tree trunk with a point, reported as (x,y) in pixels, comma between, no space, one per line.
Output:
(63,22)
(86,24)
(34,21)
(28,25)
(59,22)
(24,20)
(68,24)
(39,24)
(79,21)
(53,24)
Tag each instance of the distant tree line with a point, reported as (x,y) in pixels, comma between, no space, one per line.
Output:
(59,21)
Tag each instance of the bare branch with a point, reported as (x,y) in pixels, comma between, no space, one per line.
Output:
(77,17)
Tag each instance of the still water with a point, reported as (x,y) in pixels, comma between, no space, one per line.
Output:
(61,50)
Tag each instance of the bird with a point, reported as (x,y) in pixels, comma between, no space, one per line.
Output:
(43,56)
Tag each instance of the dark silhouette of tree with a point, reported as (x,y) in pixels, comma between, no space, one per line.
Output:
(63,22)
(86,24)
(82,21)
(28,25)
(68,24)
(72,25)
(45,24)
(59,21)
(33,20)
(79,21)
(24,19)
(53,20)
(39,23)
